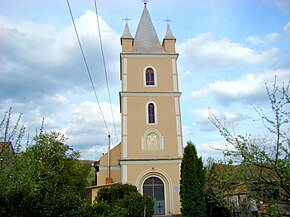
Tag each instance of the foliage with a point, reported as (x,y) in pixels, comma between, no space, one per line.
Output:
(115,192)
(45,180)
(215,186)
(11,135)
(55,163)
(214,207)
(192,183)
(263,163)
(123,200)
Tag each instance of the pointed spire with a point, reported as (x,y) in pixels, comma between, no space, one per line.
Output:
(127,39)
(127,33)
(169,40)
(169,34)
(146,39)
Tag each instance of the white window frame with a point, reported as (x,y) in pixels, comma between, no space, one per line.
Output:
(155,113)
(155,76)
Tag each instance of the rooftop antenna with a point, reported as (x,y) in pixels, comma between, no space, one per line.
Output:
(145,2)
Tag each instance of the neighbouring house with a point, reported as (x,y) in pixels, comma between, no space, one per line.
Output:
(6,148)
(6,151)
(224,179)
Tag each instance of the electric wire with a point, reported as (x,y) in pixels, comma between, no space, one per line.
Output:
(87,67)
(105,68)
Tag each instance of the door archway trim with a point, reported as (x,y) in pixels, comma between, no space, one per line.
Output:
(168,186)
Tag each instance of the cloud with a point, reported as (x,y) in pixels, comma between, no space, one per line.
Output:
(204,51)
(204,124)
(82,124)
(271,37)
(254,40)
(249,88)
(42,75)
(287,28)
(86,127)
(186,77)
(33,111)
(38,59)
(211,150)
(186,130)
(93,152)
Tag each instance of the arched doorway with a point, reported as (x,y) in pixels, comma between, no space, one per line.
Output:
(154,188)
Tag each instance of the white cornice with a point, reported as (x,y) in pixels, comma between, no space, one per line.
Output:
(149,55)
(105,168)
(154,161)
(174,94)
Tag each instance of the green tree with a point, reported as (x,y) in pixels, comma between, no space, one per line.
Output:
(192,183)
(263,163)
(11,134)
(48,180)
(123,200)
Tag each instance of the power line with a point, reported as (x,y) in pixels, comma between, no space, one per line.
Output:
(105,68)
(86,64)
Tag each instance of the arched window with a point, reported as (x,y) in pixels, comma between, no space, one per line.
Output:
(150,77)
(151,113)
(154,188)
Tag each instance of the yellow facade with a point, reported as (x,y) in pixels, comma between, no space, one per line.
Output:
(149,155)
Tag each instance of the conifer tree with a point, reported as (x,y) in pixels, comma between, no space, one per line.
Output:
(192,183)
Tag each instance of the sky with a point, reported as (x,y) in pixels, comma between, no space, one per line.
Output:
(228,50)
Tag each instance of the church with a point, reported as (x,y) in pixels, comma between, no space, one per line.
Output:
(150,152)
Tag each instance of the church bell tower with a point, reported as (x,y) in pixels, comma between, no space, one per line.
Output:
(151,141)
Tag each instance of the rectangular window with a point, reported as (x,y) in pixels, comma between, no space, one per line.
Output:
(151,113)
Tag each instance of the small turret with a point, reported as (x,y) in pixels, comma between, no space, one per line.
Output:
(169,41)
(127,40)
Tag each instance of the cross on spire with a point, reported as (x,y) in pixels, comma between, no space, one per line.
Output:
(127,19)
(145,2)
(167,20)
